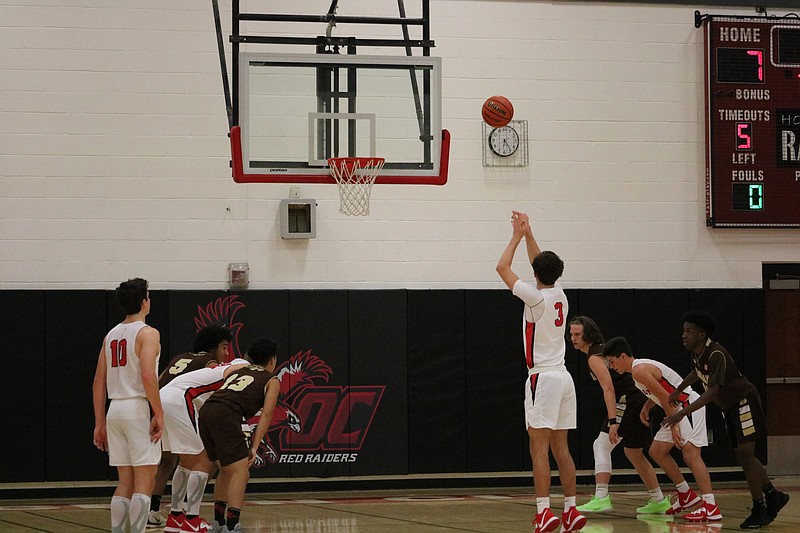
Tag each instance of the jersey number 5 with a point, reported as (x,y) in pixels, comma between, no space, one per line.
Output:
(559,307)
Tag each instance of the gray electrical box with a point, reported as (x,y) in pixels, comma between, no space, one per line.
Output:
(298,218)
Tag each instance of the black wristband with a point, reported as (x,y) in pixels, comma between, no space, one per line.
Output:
(612,421)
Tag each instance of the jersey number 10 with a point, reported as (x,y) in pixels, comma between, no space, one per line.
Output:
(119,353)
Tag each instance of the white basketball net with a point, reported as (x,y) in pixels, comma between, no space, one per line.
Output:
(354,177)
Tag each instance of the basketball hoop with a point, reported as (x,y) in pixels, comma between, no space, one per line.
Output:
(354,177)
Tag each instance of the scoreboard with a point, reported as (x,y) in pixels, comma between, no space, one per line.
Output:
(752,122)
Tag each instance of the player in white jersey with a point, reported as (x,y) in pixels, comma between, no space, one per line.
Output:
(182,399)
(550,402)
(127,373)
(657,381)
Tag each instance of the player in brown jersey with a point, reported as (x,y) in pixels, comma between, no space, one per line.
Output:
(623,403)
(210,346)
(244,393)
(740,403)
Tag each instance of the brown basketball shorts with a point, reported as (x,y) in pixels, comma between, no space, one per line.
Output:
(634,434)
(745,420)
(221,433)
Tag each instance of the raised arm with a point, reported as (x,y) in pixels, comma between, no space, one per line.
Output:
(503,268)
(531,246)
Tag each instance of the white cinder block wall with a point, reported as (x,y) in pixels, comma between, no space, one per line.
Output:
(114,154)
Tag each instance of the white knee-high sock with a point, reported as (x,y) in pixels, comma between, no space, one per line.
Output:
(119,514)
(195,488)
(179,481)
(140,508)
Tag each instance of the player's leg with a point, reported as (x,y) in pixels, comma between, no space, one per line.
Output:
(145,456)
(540,417)
(121,501)
(196,486)
(693,459)
(659,451)
(234,478)
(746,437)
(571,518)
(708,511)
(539,445)
(601,500)
(143,479)
(566,466)
(165,470)
(220,503)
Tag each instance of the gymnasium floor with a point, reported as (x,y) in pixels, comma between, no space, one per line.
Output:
(418,511)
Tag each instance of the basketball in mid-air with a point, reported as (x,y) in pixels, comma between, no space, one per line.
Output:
(497,111)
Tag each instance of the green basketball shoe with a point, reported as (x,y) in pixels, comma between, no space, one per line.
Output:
(653,507)
(597,505)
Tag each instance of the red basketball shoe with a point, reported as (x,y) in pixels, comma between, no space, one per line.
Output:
(174,522)
(704,513)
(545,521)
(572,520)
(683,502)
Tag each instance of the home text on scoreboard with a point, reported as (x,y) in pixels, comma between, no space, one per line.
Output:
(752,121)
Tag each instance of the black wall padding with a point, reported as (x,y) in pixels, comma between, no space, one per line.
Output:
(378,348)
(495,372)
(75,325)
(318,321)
(436,381)
(447,364)
(24,392)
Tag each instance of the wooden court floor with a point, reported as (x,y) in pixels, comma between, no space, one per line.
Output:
(418,511)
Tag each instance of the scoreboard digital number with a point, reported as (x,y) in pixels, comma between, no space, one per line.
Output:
(752,122)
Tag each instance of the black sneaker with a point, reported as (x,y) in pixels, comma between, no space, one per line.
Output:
(775,502)
(758,517)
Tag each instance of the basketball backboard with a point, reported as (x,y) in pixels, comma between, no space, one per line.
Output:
(298,110)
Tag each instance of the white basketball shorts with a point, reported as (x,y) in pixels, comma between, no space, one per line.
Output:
(128,429)
(693,429)
(550,401)
(180,425)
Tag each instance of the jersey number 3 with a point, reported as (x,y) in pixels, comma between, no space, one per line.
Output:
(559,307)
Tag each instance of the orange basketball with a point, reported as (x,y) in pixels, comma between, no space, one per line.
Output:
(497,111)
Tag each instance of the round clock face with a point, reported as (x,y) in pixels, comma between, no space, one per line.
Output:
(504,141)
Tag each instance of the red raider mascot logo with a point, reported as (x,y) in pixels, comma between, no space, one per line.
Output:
(313,422)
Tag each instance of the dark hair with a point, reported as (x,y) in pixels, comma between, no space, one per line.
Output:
(591,331)
(616,346)
(548,267)
(130,295)
(208,338)
(702,319)
(262,350)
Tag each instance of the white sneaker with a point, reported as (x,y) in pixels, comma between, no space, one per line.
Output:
(155,520)
(214,527)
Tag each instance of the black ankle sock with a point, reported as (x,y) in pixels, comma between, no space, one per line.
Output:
(155,502)
(219,512)
(769,489)
(233,517)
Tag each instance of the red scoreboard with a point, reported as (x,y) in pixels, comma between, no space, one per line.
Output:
(752,122)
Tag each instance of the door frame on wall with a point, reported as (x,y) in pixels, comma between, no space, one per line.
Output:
(781,282)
